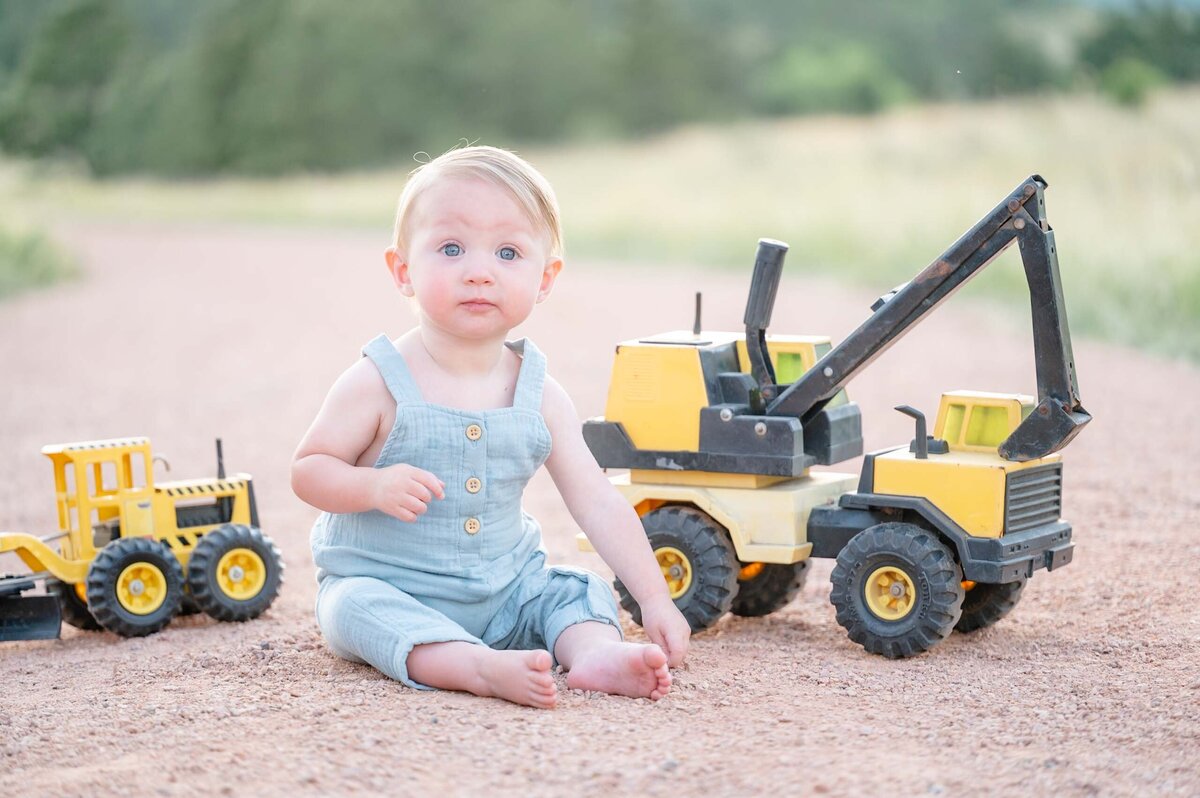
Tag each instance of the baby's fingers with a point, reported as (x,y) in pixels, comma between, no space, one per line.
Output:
(673,640)
(677,647)
(432,484)
(403,514)
(407,507)
(419,491)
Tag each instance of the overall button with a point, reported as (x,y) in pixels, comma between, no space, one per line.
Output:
(473,485)
(474,432)
(472,526)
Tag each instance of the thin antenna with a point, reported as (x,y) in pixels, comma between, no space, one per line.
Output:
(220,461)
(696,323)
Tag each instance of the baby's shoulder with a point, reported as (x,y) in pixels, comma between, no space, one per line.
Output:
(553,391)
(362,384)
(557,407)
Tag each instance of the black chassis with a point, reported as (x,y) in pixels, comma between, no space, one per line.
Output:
(1009,558)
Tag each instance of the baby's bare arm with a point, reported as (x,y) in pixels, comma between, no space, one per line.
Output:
(324,470)
(610,523)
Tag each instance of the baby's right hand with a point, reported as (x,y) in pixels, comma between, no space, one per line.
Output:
(405,491)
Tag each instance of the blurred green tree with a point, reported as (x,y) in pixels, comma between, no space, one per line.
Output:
(847,77)
(269,86)
(1129,81)
(1165,37)
(50,104)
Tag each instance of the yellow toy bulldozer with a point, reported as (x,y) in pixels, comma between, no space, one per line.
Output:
(130,553)
(719,432)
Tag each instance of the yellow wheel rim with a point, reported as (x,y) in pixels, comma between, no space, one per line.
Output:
(676,569)
(750,570)
(241,574)
(890,593)
(967,584)
(81,591)
(141,588)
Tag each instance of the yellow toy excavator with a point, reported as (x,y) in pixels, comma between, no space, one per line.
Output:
(719,432)
(130,553)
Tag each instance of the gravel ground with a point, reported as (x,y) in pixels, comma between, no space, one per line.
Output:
(183,334)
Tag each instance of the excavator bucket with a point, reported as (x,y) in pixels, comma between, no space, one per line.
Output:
(1050,427)
(29,617)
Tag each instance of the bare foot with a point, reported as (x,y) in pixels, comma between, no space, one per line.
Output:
(522,677)
(631,669)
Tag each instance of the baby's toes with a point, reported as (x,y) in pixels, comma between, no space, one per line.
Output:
(663,685)
(546,696)
(541,661)
(654,658)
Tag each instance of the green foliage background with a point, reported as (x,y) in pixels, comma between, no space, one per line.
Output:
(330,100)
(28,259)
(267,87)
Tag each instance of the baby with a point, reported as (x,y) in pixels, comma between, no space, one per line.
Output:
(428,567)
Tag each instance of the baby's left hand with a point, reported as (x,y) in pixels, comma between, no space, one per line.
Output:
(667,627)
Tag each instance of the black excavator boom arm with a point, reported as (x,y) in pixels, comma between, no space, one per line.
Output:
(1020,217)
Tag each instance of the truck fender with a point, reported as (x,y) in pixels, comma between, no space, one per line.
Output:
(830,528)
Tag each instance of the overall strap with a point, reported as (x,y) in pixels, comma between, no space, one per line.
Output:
(393,369)
(533,374)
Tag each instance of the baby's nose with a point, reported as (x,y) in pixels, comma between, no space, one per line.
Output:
(478,272)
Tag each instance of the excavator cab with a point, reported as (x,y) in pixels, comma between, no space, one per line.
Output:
(681,399)
(979,422)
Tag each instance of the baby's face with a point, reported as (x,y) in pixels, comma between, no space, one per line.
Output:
(474,262)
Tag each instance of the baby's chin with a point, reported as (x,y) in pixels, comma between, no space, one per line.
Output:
(476,326)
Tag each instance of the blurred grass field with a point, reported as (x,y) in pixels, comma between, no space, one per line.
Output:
(869,199)
(28,258)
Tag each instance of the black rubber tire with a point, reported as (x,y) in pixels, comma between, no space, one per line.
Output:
(706,545)
(936,578)
(202,573)
(773,588)
(984,604)
(188,605)
(102,586)
(74,609)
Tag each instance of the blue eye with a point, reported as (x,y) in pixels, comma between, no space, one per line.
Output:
(507,253)
(453,250)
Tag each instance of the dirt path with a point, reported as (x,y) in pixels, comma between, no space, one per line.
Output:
(184,334)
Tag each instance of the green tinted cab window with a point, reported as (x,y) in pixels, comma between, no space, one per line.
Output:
(988,426)
(954,420)
(788,367)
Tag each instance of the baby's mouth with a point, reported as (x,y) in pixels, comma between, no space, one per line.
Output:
(477,304)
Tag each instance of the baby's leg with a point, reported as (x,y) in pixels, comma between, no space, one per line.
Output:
(522,677)
(572,612)
(597,659)
(370,620)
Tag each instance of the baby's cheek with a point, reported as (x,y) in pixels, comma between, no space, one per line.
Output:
(434,295)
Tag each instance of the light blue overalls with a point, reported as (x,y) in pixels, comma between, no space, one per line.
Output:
(472,567)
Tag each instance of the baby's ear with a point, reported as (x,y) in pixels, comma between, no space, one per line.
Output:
(397,265)
(549,275)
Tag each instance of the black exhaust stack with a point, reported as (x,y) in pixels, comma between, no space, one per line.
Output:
(764,285)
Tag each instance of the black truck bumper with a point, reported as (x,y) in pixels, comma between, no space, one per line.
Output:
(1014,557)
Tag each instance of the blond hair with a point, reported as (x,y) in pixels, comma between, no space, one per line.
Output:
(502,168)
